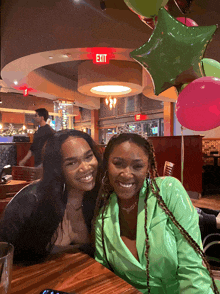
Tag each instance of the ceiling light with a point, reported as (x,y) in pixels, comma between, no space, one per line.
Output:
(67,55)
(50,57)
(111,90)
(16,82)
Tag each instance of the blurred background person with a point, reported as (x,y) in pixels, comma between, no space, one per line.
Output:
(40,137)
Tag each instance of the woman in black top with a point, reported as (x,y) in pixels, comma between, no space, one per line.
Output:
(55,212)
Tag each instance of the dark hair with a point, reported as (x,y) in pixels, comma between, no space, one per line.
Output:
(50,190)
(106,190)
(43,112)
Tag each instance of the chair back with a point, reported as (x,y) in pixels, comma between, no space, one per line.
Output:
(168,168)
(26,173)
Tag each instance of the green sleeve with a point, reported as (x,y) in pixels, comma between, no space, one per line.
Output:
(193,277)
(99,253)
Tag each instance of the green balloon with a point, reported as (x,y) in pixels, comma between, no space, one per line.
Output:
(147,8)
(174,51)
(211,67)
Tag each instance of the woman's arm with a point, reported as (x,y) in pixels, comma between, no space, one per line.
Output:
(192,275)
(17,213)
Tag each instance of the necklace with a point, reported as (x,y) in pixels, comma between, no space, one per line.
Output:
(129,209)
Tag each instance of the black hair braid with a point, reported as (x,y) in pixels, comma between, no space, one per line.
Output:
(185,234)
(147,241)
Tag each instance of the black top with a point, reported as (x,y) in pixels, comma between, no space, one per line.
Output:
(40,138)
(19,225)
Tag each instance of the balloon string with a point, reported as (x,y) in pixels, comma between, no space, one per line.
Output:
(182,154)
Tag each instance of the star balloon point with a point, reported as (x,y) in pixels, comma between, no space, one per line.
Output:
(174,51)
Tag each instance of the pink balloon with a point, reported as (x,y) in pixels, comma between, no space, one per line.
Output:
(198,105)
(187,21)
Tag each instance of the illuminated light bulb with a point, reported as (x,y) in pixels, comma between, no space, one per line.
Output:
(24,127)
(0,126)
(67,55)
(106,101)
(114,101)
(110,89)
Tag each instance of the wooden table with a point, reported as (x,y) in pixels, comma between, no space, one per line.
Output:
(11,187)
(68,272)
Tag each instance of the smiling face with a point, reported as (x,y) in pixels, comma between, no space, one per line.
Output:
(79,164)
(127,169)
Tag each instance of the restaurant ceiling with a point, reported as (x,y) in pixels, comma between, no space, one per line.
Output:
(33,31)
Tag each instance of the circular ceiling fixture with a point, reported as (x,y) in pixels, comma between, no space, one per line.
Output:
(110,90)
(118,78)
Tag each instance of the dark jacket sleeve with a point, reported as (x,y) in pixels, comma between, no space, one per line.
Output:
(17,215)
(207,223)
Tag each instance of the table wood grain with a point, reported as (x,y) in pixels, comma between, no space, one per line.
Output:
(68,272)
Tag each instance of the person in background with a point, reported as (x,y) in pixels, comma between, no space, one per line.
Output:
(40,137)
(54,214)
(209,221)
(145,227)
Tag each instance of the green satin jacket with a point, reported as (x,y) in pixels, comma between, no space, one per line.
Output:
(173,264)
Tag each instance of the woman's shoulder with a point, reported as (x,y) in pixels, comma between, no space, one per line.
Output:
(172,190)
(167,182)
(26,197)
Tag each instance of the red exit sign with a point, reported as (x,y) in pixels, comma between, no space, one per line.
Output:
(101,58)
(140,117)
(101,55)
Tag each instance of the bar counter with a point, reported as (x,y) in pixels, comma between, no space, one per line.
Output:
(68,272)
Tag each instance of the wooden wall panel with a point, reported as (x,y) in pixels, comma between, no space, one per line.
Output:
(169,148)
(13,117)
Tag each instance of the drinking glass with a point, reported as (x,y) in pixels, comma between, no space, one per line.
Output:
(6,262)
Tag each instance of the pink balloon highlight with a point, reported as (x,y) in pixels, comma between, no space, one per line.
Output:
(187,21)
(198,105)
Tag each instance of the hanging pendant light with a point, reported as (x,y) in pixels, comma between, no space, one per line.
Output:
(111,102)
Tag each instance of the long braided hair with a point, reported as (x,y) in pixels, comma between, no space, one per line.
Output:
(106,190)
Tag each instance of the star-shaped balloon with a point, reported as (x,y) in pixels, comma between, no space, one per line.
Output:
(174,51)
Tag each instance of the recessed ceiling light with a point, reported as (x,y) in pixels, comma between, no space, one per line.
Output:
(50,57)
(16,82)
(67,55)
(110,89)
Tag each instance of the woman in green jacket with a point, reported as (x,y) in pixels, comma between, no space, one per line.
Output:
(146,228)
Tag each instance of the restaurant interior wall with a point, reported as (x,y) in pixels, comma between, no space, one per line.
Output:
(123,113)
(82,122)
(122,117)
(14,104)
